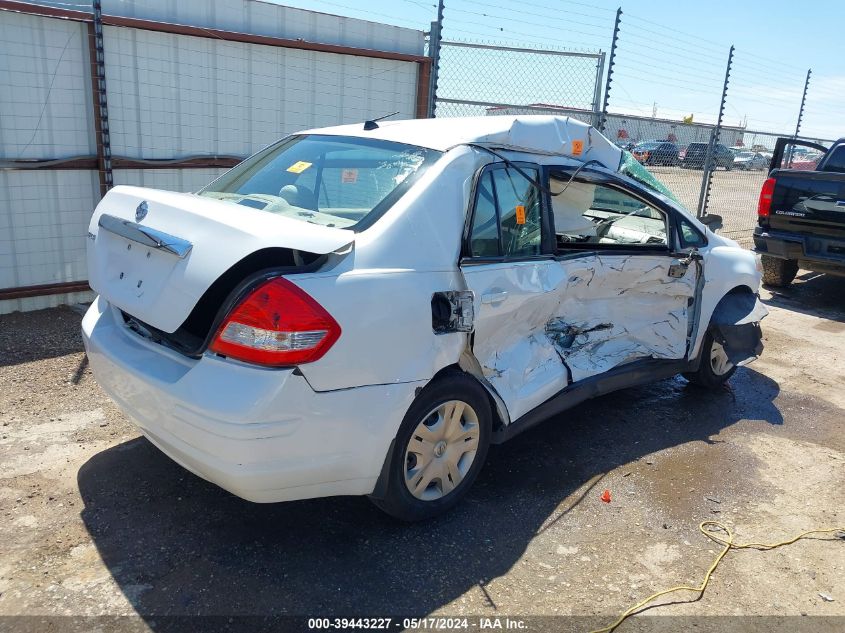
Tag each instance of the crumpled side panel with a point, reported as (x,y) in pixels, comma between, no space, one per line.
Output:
(615,309)
(576,318)
(510,341)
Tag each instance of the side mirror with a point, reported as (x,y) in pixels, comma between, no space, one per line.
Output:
(711,221)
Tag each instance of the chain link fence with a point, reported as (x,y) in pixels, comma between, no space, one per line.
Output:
(710,140)
(477,79)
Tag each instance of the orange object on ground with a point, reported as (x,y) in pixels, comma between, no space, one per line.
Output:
(605,496)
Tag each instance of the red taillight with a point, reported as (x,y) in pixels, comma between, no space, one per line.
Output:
(276,324)
(764,206)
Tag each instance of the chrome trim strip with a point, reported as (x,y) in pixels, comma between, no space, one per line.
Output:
(145,235)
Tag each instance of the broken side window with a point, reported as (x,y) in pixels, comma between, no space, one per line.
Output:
(587,214)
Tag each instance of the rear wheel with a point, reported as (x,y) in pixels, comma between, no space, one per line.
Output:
(439,450)
(715,368)
(778,272)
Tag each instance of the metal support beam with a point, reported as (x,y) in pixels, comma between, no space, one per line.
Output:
(803,102)
(707,178)
(435,39)
(610,62)
(101,108)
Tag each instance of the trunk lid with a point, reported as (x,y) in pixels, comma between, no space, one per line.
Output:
(154,253)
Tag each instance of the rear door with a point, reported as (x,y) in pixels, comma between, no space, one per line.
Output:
(508,263)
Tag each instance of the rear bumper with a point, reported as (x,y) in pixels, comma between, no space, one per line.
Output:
(817,253)
(262,434)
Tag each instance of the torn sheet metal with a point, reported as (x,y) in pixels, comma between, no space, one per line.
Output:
(736,322)
(563,321)
(616,309)
(739,308)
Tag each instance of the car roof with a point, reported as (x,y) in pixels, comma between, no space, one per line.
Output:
(541,134)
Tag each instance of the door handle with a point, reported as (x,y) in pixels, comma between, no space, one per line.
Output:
(678,268)
(495,297)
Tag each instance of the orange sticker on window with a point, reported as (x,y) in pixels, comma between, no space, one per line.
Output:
(520,214)
(299,167)
(577,148)
(349,176)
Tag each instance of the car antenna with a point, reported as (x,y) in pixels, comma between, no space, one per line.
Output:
(372,125)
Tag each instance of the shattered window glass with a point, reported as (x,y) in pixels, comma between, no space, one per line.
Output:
(632,168)
(587,213)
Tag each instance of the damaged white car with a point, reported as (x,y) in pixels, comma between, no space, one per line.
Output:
(363,310)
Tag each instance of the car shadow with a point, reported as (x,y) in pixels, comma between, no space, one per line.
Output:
(176,544)
(815,294)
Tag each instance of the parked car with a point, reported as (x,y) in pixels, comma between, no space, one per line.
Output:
(750,160)
(695,155)
(364,309)
(801,212)
(656,153)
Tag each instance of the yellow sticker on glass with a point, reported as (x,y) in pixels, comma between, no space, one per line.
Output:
(299,167)
(577,148)
(520,214)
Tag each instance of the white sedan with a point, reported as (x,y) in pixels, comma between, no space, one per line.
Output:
(364,309)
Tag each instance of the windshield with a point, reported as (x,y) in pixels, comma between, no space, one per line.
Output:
(328,180)
(744,155)
(647,146)
(633,168)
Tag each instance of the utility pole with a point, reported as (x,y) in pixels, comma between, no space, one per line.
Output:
(434,51)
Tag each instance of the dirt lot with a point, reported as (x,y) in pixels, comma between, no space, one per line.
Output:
(733,195)
(96,521)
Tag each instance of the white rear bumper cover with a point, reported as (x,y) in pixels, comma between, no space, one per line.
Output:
(262,434)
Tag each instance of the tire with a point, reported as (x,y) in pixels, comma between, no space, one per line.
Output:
(438,457)
(778,272)
(715,369)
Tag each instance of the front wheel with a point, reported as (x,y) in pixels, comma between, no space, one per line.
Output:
(715,368)
(439,449)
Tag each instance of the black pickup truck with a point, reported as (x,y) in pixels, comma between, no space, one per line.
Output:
(801,213)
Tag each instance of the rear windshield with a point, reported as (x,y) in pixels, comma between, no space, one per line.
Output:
(328,180)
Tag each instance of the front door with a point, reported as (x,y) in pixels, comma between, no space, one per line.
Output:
(628,292)
(608,289)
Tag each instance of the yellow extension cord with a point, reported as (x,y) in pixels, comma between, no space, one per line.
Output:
(728,546)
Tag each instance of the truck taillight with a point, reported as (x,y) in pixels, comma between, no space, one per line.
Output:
(277,324)
(764,206)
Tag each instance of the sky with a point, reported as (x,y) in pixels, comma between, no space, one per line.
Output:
(671,55)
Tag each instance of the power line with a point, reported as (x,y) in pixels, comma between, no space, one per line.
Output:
(546,17)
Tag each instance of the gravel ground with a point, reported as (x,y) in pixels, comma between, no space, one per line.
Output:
(733,195)
(95,521)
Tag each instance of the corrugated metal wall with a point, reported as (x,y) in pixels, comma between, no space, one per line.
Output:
(45,112)
(173,95)
(170,96)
